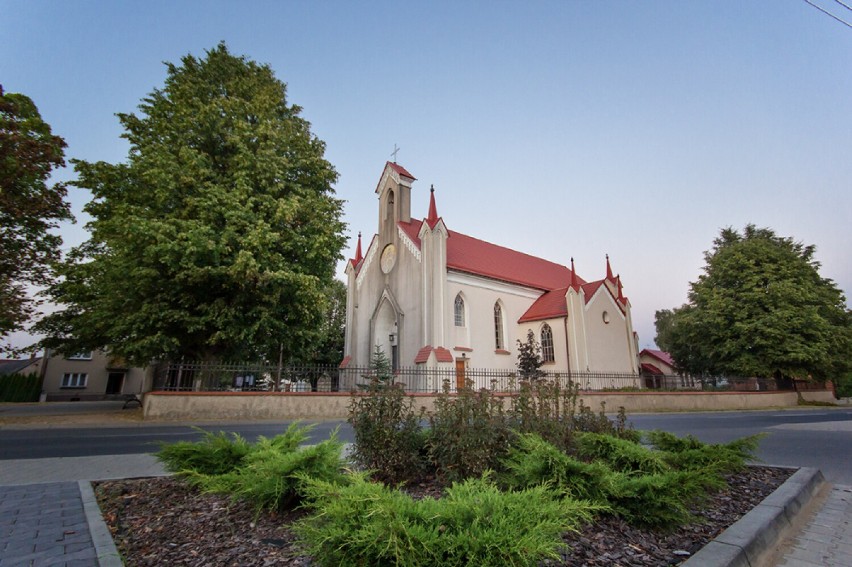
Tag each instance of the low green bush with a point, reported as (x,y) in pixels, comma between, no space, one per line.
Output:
(621,455)
(216,453)
(475,523)
(688,453)
(468,433)
(270,475)
(533,461)
(660,501)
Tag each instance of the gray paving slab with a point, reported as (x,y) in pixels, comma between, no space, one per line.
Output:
(30,540)
(826,538)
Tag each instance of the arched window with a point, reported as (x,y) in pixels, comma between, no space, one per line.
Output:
(547,354)
(498,327)
(458,310)
(389,209)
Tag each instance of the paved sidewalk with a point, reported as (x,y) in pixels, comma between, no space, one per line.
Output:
(48,517)
(826,540)
(44,524)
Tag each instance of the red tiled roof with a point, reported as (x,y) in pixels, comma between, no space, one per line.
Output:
(591,288)
(660,355)
(474,256)
(401,170)
(550,305)
(443,355)
(423,354)
(651,369)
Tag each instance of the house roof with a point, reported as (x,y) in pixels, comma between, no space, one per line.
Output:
(660,355)
(651,369)
(13,366)
(474,256)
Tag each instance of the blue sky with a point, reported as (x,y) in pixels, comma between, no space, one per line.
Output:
(634,129)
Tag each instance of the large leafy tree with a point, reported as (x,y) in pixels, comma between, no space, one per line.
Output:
(29,206)
(327,349)
(217,237)
(760,309)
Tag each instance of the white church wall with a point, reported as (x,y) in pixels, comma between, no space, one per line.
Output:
(557,327)
(480,296)
(608,345)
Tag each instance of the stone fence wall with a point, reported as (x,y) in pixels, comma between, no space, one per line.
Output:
(187,406)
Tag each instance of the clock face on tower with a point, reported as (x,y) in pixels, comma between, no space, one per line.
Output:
(388,258)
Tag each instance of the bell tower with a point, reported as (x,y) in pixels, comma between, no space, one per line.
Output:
(394,191)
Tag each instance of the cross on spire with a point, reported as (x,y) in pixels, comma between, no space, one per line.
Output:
(394,152)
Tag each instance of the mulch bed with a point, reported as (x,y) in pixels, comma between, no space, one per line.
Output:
(162,521)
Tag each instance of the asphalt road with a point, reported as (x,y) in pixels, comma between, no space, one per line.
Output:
(802,437)
(814,437)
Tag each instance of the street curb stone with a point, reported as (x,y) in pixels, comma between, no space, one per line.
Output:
(105,549)
(758,532)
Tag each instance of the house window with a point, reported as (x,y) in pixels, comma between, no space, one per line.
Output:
(499,344)
(547,354)
(74,380)
(458,309)
(80,356)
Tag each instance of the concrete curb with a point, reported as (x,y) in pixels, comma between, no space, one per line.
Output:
(757,533)
(105,549)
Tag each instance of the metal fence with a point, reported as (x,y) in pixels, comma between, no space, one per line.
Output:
(258,377)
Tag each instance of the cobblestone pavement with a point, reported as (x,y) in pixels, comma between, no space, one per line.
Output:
(826,539)
(44,525)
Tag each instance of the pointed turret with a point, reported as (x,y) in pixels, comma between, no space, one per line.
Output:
(609,270)
(432,218)
(620,289)
(573,274)
(358,255)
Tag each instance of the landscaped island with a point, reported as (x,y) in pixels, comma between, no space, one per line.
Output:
(543,482)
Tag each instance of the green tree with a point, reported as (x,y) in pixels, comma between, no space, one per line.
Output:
(328,347)
(217,237)
(663,322)
(29,207)
(529,358)
(761,309)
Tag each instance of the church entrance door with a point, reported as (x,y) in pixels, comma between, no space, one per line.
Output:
(460,368)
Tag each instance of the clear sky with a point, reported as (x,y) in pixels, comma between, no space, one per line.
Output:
(569,128)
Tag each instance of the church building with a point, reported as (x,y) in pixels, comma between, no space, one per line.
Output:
(432,297)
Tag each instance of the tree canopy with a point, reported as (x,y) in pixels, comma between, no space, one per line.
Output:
(29,206)
(760,309)
(218,236)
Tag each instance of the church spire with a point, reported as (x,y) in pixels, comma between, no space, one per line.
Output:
(573,274)
(432,219)
(358,255)
(609,270)
(620,289)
